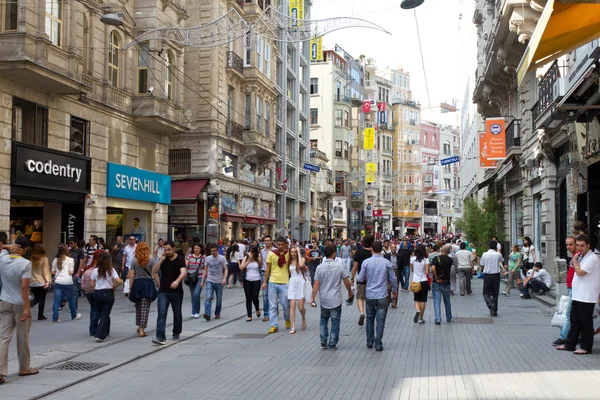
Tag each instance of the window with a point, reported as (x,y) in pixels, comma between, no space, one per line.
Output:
(405,156)
(259,108)
(146,155)
(142,67)
(314,144)
(259,52)
(180,161)
(346,150)
(30,123)
(410,204)
(314,116)
(54,21)
(409,178)
(248,173)
(405,134)
(314,85)
(428,180)
(433,140)
(267,56)
(230,104)
(339,118)
(447,147)
(417,204)
(406,114)
(425,139)
(114,45)
(447,183)
(247,111)
(267,119)
(248,50)
(11,10)
(115,143)
(338,148)
(228,165)
(169,75)
(346,119)
(79,136)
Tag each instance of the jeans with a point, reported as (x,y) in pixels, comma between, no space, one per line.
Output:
(217,289)
(164,299)
(67,291)
(251,291)
(103,302)
(39,293)
(564,332)
(405,277)
(537,285)
(334,334)
(442,290)
(464,280)
(376,308)
(94,317)
(347,262)
(266,305)
(278,291)
(76,290)
(195,291)
(491,289)
(582,326)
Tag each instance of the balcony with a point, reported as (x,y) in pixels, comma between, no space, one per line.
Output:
(235,63)
(513,139)
(551,90)
(342,99)
(264,145)
(430,211)
(371,86)
(413,142)
(235,130)
(153,113)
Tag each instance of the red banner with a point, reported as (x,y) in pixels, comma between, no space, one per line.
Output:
(378,213)
(366,107)
(381,106)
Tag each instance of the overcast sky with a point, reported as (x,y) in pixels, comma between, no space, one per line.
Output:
(440,39)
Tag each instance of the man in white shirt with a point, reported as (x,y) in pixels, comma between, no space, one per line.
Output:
(128,255)
(585,292)
(540,280)
(491,261)
(268,241)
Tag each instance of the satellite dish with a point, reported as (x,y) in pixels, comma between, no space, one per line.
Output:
(409,4)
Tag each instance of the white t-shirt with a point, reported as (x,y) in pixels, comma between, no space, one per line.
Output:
(129,253)
(102,282)
(242,252)
(419,269)
(253,271)
(543,276)
(528,253)
(586,288)
(491,260)
(63,277)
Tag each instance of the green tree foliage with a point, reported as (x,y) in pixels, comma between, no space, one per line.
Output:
(480,223)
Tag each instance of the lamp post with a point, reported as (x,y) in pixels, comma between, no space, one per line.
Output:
(409,4)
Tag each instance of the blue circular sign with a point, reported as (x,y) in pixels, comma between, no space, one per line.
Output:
(495,129)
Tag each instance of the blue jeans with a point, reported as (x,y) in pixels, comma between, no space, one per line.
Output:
(266,305)
(564,332)
(175,300)
(405,277)
(211,288)
(76,290)
(60,291)
(278,291)
(347,264)
(441,290)
(376,308)
(103,301)
(94,318)
(334,335)
(195,292)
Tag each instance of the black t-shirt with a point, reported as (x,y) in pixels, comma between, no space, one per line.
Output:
(443,265)
(314,253)
(170,270)
(77,256)
(361,255)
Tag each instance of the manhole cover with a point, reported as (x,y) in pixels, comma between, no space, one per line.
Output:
(78,366)
(472,320)
(247,336)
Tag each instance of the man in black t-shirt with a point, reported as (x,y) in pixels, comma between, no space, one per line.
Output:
(315,258)
(172,272)
(441,268)
(361,255)
(78,257)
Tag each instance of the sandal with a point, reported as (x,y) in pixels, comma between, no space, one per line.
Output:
(2,380)
(258,314)
(581,352)
(292,331)
(32,371)
(142,334)
(249,319)
(303,326)
(561,347)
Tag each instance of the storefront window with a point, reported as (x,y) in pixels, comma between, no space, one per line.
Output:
(228,165)
(264,179)
(517,230)
(248,173)
(228,204)
(248,206)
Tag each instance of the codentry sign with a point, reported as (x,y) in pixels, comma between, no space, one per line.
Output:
(42,168)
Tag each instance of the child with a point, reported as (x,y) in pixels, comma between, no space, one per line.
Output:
(514,260)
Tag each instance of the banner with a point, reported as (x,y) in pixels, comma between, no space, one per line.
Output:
(366,107)
(494,140)
(297,13)
(369,139)
(371,174)
(316,49)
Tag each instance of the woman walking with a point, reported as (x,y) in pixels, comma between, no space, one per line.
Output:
(251,264)
(143,286)
(88,290)
(297,288)
(104,279)
(419,266)
(194,264)
(514,260)
(40,278)
(233,266)
(62,269)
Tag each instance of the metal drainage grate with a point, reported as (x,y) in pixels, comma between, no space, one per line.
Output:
(247,336)
(472,320)
(78,366)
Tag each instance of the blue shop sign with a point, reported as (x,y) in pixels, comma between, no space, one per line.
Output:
(137,184)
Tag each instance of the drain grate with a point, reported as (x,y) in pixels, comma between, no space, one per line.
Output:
(78,366)
(247,336)
(473,320)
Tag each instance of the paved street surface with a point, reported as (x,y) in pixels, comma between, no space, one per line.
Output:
(475,357)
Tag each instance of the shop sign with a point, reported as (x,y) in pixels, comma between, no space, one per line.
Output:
(248,206)
(183,209)
(72,216)
(184,219)
(339,222)
(427,218)
(40,168)
(378,213)
(137,184)
(387,217)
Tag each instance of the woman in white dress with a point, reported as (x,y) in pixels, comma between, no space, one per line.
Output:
(297,287)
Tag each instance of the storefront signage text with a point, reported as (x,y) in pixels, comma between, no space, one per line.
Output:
(49,168)
(137,184)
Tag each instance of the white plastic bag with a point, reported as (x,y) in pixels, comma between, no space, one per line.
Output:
(596,319)
(126,286)
(560,316)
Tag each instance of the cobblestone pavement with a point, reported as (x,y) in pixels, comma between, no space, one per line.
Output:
(475,357)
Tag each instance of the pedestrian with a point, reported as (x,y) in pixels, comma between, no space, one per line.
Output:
(233,265)
(514,262)
(529,254)
(491,261)
(172,272)
(89,289)
(397,264)
(585,292)
(405,251)
(143,285)
(264,253)
(40,278)
(128,255)
(214,278)
(465,266)
(277,275)
(441,268)
(250,267)
(78,256)
(297,292)
(314,259)
(328,284)
(90,248)
(104,279)
(117,254)
(419,266)
(359,257)
(378,272)
(159,249)
(571,250)
(62,269)
(15,311)
(194,264)
(346,255)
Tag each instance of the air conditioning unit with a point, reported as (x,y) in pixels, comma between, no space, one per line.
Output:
(530,163)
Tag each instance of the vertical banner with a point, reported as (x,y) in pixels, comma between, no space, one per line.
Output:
(371,175)
(495,137)
(297,13)
(484,162)
(366,107)
(72,216)
(369,139)
(316,49)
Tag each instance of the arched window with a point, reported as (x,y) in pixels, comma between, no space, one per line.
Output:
(114,45)
(169,75)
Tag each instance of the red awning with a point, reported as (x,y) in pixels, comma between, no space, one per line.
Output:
(251,219)
(233,217)
(270,221)
(187,190)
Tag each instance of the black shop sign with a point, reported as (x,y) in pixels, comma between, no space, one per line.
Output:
(42,168)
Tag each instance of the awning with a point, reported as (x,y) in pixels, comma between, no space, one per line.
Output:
(233,217)
(251,219)
(271,221)
(187,190)
(562,27)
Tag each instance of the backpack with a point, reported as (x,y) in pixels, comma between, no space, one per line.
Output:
(86,281)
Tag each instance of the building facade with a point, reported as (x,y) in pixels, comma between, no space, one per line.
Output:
(431,175)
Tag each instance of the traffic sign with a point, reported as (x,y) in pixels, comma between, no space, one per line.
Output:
(357,194)
(311,167)
(450,160)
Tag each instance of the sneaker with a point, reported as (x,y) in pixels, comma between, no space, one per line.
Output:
(334,348)
(558,342)
(421,321)
(361,320)
(99,340)
(521,295)
(438,323)
(288,324)
(217,316)
(265,319)
(175,337)
(369,346)
(192,315)
(416,318)
(275,330)
(378,348)
(77,317)
(196,316)
(506,294)
(206,317)
(323,345)
(526,297)
(158,341)
(42,318)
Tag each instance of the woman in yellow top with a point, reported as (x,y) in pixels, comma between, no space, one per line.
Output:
(277,275)
(41,278)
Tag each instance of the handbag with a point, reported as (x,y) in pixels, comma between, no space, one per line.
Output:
(415,287)
(242,275)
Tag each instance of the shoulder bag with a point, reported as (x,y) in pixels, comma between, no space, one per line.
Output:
(191,278)
(415,287)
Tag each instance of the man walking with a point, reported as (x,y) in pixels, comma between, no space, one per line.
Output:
(491,261)
(328,283)
(346,255)
(441,269)
(264,253)
(359,257)
(90,248)
(214,277)
(78,257)
(117,254)
(405,252)
(172,272)
(15,312)
(464,262)
(278,276)
(128,255)
(571,250)
(379,272)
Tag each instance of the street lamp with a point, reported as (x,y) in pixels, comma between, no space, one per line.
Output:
(408,4)
(111,19)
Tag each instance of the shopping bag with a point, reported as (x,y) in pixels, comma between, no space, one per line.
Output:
(126,286)
(596,320)
(560,316)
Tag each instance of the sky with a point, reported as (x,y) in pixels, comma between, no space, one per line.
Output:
(438,22)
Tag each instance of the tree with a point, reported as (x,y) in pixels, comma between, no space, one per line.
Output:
(480,223)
